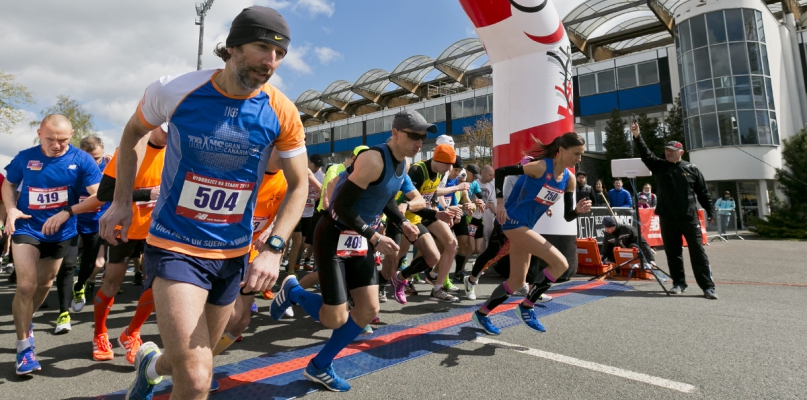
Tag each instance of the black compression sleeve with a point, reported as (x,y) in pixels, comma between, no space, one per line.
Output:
(427,213)
(568,204)
(106,189)
(501,173)
(393,213)
(343,206)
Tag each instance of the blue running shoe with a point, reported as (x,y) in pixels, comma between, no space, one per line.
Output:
(254,307)
(326,377)
(214,386)
(143,387)
(484,322)
(31,331)
(26,362)
(282,301)
(527,315)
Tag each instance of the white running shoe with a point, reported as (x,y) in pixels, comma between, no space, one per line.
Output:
(469,288)
(442,295)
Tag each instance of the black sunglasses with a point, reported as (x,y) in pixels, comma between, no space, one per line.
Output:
(414,136)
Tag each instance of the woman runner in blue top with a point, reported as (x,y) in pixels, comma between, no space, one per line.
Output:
(543,180)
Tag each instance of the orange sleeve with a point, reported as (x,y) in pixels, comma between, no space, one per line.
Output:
(110,169)
(291,140)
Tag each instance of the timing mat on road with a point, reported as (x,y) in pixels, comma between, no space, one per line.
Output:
(279,375)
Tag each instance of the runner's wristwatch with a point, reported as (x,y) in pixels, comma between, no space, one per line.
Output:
(276,242)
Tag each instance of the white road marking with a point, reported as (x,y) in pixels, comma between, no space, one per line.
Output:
(606,369)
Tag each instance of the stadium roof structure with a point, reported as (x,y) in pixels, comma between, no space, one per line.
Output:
(597,29)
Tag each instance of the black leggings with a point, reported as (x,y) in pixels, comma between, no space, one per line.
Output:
(64,278)
(91,244)
(339,275)
(497,240)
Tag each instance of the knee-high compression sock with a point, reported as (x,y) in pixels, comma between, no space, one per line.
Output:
(145,306)
(417,266)
(64,286)
(536,291)
(459,259)
(340,338)
(310,302)
(499,296)
(101,310)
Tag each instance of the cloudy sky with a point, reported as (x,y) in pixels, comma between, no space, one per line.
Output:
(104,53)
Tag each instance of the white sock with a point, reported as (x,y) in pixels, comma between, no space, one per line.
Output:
(23,344)
(437,286)
(230,336)
(151,370)
(433,275)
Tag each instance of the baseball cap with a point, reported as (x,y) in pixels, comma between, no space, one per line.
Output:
(608,222)
(359,149)
(445,139)
(674,145)
(316,159)
(472,168)
(258,23)
(445,154)
(642,197)
(458,162)
(581,173)
(411,119)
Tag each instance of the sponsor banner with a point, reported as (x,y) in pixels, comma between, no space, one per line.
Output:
(652,231)
(590,224)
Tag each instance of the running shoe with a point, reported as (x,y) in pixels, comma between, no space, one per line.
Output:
(382,294)
(484,322)
(268,295)
(214,386)
(31,331)
(143,387)
(677,289)
(130,343)
(442,295)
(101,348)
(26,362)
(368,330)
(458,277)
(416,279)
(375,321)
(544,298)
(282,301)
(308,266)
(410,289)
(527,315)
(710,294)
(63,323)
(429,278)
(326,377)
(523,292)
(254,307)
(79,300)
(138,279)
(289,312)
(377,258)
(398,288)
(470,288)
(449,287)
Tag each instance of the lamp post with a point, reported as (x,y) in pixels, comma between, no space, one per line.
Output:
(201,11)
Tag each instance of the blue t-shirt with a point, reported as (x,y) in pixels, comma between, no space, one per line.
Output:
(451,198)
(407,185)
(88,222)
(47,185)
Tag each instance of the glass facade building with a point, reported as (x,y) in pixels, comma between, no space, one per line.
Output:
(725,78)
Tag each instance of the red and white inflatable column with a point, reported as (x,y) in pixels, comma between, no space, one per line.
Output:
(532,83)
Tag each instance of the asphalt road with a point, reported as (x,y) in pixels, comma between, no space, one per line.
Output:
(636,344)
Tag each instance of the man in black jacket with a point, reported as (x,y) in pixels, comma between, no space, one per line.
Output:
(680,186)
(583,190)
(619,235)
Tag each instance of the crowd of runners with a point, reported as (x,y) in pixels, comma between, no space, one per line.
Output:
(211,187)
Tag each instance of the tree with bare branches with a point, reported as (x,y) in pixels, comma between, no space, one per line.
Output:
(478,139)
(12,96)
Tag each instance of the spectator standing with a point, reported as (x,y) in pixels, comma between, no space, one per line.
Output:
(584,191)
(598,194)
(724,206)
(643,201)
(618,196)
(679,184)
(652,200)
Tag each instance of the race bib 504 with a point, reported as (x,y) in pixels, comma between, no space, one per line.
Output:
(213,200)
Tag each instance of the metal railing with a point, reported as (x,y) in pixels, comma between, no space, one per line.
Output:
(727,225)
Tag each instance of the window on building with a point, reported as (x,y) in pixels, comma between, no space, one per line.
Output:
(648,73)
(456,110)
(734,25)
(354,130)
(626,77)
(481,105)
(468,107)
(324,136)
(698,26)
(606,81)
(587,84)
(749,24)
(387,125)
(716,27)
(721,65)
(439,113)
